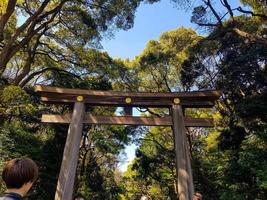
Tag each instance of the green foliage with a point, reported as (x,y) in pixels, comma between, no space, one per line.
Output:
(22,134)
(236,65)
(21,139)
(15,102)
(158,67)
(228,161)
(68,32)
(259,6)
(161,60)
(98,161)
(152,172)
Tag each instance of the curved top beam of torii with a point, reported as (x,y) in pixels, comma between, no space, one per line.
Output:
(197,99)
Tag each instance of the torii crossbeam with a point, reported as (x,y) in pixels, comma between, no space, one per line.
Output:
(176,102)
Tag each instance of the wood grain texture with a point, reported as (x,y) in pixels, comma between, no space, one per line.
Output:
(128,120)
(71,154)
(47,89)
(184,182)
(136,102)
(199,99)
(128,110)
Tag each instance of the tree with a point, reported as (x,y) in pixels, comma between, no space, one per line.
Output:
(155,163)
(53,45)
(49,27)
(235,64)
(158,67)
(23,134)
(160,62)
(206,15)
(231,58)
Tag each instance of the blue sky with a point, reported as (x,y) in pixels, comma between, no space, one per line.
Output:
(150,22)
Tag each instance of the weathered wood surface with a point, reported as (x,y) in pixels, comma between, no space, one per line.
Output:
(211,94)
(151,103)
(184,177)
(198,99)
(189,171)
(128,120)
(71,154)
(128,110)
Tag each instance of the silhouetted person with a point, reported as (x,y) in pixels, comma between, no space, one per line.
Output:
(18,175)
(78,197)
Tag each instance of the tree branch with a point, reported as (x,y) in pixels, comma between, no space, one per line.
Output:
(30,20)
(206,24)
(228,7)
(10,49)
(166,81)
(208,3)
(250,37)
(31,76)
(5,17)
(30,59)
(252,13)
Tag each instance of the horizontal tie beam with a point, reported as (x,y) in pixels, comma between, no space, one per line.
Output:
(128,120)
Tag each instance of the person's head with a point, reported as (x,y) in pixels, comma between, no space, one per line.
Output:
(197,196)
(19,174)
(78,197)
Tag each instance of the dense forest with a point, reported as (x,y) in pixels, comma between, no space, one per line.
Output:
(58,43)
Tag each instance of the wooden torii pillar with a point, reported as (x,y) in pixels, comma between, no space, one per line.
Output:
(176,102)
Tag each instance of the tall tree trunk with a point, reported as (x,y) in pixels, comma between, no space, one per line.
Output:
(5,17)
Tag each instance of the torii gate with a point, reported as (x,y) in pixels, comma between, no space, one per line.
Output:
(176,102)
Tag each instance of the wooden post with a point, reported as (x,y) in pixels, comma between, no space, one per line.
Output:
(71,154)
(183,166)
(189,170)
(128,110)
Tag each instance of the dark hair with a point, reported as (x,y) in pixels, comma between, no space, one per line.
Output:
(77,196)
(19,171)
